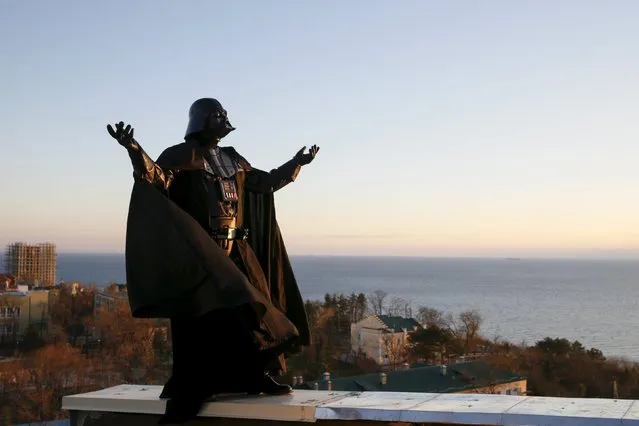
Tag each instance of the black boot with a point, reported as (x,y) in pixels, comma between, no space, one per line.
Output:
(267,385)
(185,402)
(181,410)
(169,391)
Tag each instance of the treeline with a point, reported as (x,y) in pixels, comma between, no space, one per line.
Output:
(79,349)
(552,366)
(559,367)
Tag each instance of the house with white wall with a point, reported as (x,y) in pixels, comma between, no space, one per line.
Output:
(381,337)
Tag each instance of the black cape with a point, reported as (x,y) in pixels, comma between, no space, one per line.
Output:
(175,270)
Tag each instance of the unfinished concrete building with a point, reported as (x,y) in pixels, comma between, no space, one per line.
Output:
(31,264)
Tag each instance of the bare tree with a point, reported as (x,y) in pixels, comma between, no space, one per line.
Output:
(395,347)
(377,301)
(470,321)
(431,317)
(399,307)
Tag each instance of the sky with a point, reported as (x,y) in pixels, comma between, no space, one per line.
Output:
(451,128)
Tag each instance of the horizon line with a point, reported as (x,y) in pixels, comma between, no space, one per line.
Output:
(593,256)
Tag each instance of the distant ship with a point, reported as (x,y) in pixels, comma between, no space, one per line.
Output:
(513,258)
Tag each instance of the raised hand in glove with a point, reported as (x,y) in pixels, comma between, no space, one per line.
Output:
(305,158)
(123,135)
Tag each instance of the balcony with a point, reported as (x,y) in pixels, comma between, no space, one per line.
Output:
(128,405)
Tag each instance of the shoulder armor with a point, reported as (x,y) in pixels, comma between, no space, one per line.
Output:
(181,156)
(243,162)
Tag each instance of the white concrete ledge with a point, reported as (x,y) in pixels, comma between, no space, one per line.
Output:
(300,406)
(326,406)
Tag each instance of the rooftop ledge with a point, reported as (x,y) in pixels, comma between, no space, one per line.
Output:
(140,405)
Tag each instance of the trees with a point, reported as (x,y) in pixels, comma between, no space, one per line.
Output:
(49,374)
(430,317)
(348,309)
(377,301)
(320,318)
(469,323)
(330,321)
(128,350)
(69,311)
(396,348)
(131,347)
(559,367)
(445,334)
(431,343)
(399,307)
(378,304)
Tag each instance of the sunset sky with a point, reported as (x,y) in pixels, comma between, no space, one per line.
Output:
(450,128)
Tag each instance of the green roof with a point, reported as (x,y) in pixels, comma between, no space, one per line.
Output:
(398,324)
(429,379)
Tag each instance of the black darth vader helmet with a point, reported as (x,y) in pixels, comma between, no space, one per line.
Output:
(208,117)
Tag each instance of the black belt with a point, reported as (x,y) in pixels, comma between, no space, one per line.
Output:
(229,233)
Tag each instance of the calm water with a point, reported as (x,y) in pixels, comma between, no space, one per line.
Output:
(593,301)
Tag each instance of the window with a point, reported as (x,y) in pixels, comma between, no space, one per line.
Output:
(9,312)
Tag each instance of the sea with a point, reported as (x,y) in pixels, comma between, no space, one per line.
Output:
(520,300)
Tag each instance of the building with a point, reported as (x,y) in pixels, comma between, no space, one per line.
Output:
(20,309)
(110,297)
(465,377)
(32,264)
(382,338)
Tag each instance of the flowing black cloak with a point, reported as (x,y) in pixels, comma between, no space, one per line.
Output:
(175,270)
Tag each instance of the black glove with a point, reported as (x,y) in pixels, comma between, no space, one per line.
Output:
(123,135)
(304,159)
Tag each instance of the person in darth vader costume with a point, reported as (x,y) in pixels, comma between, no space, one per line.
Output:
(204,249)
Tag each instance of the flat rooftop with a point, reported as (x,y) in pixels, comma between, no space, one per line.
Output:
(140,405)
